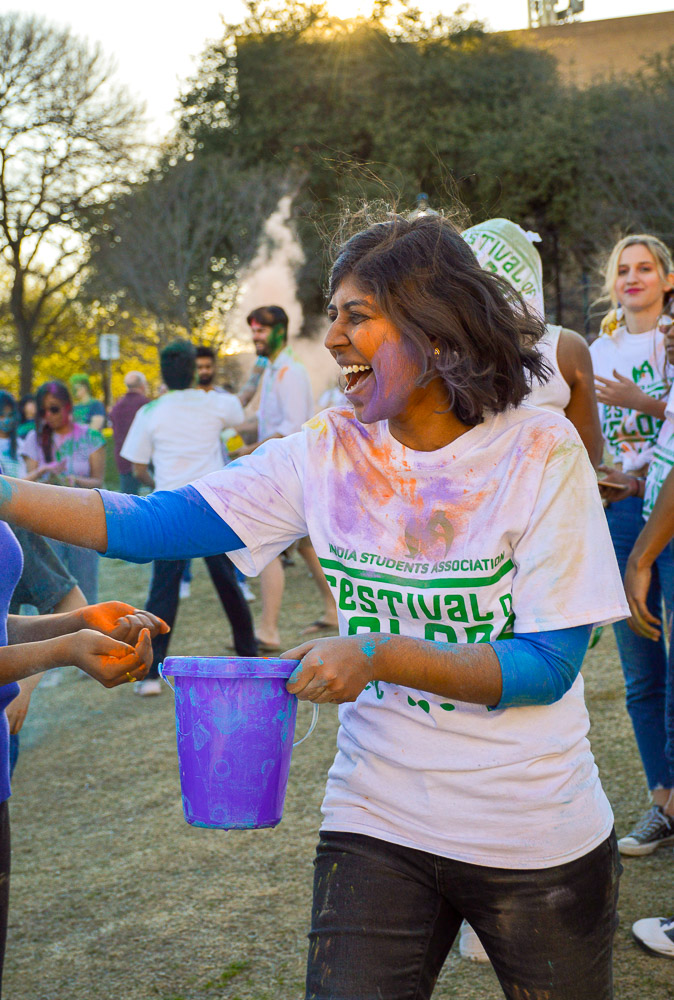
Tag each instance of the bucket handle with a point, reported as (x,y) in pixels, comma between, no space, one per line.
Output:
(314,720)
(165,678)
(314,714)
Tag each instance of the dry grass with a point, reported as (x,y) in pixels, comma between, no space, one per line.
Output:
(114,896)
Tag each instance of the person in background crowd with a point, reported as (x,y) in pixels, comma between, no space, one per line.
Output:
(504,248)
(87,410)
(207,369)
(286,402)
(656,934)
(206,374)
(121,418)
(27,411)
(10,458)
(180,434)
(630,364)
(62,451)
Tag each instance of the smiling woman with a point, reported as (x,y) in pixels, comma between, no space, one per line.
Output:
(632,377)
(466,585)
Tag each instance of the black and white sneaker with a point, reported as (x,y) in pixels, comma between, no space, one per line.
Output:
(652,831)
(656,934)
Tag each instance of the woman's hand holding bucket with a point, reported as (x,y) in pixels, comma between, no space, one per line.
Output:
(333,669)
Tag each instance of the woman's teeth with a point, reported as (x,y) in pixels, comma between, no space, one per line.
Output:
(354,374)
(350,369)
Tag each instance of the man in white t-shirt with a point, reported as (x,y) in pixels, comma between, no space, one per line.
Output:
(180,434)
(286,402)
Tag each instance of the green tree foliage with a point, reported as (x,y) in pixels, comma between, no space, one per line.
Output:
(368,109)
(67,139)
(176,240)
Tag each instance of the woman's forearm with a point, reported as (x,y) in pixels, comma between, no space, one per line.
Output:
(470,673)
(658,529)
(35,628)
(27,659)
(68,515)
(526,669)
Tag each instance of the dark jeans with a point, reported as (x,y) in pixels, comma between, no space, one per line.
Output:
(163,600)
(129,484)
(643,661)
(5,855)
(384,918)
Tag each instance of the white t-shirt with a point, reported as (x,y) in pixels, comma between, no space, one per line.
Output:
(286,400)
(554,394)
(503,529)
(663,458)
(180,433)
(630,436)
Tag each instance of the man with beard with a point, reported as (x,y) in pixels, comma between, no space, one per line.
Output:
(206,369)
(286,402)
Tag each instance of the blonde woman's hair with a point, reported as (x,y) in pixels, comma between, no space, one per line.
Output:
(661,255)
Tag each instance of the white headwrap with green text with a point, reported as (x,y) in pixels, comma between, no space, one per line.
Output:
(504,248)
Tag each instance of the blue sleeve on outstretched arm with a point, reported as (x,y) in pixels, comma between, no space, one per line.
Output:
(169,524)
(539,667)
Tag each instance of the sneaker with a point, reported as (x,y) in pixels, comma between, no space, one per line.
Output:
(656,934)
(246,591)
(470,946)
(652,831)
(185,589)
(148,688)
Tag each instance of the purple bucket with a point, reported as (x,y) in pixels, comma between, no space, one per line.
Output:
(235,724)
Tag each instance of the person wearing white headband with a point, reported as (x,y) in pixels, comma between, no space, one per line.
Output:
(504,248)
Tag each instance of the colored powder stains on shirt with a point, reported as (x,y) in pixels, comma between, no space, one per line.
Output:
(412,767)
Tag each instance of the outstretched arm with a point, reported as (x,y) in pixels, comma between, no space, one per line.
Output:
(68,515)
(107,660)
(113,618)
(166,525)
(655,535)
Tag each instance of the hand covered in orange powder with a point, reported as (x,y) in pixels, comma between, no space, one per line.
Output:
(107,660)
(120,621)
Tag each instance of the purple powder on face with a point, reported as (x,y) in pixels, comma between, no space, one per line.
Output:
(396,367)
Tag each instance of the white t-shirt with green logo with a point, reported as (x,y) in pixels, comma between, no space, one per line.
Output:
(663,458)
(501,531)
(630,436)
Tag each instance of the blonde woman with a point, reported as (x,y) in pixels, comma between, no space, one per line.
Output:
(631,382)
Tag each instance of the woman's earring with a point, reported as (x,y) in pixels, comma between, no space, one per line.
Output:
(437,352)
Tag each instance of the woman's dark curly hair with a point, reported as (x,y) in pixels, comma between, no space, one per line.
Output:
(427,282)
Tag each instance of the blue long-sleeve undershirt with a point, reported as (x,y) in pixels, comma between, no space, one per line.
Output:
(168,524)
(537,668)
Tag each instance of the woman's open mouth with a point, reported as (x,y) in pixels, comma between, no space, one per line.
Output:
(355,375)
